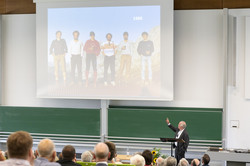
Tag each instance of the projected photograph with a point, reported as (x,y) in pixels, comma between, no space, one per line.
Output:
(104,52)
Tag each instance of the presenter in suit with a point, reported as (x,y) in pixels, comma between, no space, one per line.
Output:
(180,133)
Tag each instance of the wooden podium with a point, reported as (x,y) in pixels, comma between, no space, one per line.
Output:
(172,141)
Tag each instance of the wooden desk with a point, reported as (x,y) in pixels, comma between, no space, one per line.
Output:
(124,157)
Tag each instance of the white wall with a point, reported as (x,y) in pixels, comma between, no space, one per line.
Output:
(238,106)
(198,61)
(198,69)
(19,66)
(198,72)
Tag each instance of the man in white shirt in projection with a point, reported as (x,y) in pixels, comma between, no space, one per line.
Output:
(126,49)
(76,51)
(108,50)
(58,49)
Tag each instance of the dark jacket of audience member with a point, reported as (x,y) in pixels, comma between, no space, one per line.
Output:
(67,163)
(148,157)
(68,155)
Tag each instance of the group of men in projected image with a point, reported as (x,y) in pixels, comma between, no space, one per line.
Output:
(108,49)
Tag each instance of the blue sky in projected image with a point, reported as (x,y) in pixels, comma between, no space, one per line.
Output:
(102,20)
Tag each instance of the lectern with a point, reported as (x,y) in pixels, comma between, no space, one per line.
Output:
(172,141)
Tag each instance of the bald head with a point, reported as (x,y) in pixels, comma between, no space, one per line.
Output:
(101,152)
(195,162)
(182,125)
(46,148)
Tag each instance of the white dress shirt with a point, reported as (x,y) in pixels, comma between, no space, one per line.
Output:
(178,135)
(76,47)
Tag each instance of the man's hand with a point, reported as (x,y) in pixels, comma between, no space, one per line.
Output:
(167,121)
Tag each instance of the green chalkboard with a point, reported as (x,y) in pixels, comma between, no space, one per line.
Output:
(202,124)
(50,120)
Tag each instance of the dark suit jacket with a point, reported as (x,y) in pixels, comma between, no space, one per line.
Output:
(181,147)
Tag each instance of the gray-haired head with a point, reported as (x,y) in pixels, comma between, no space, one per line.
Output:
(87,156)
(160,161)
(137,160)
(46,148)
(183,162)
(182,125)
(170,161)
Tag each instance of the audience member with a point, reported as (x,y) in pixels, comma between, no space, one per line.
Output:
(148,157)
(195,162)
(205,160)
(117,160)
(68,156)
(6,155)
(60,156)
(36,154)
(137,160)
(183,162)
(86,156)
(112,151)
(170,161)
(160,161)
(101,153)
(93,154)
(2,158)
(46,153)
(20,153)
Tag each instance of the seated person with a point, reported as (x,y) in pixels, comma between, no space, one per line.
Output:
(205,160)
(183,162)
(93,154)
(137,160)
(170,161)
(87,156)
(101,153)
(148,156)
(46,153)
(20,153)
(195,162)
(2,155)
(68,156)
(60,156)
(160,161)
(112,151)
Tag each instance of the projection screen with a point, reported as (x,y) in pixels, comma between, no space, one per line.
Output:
(105,49)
